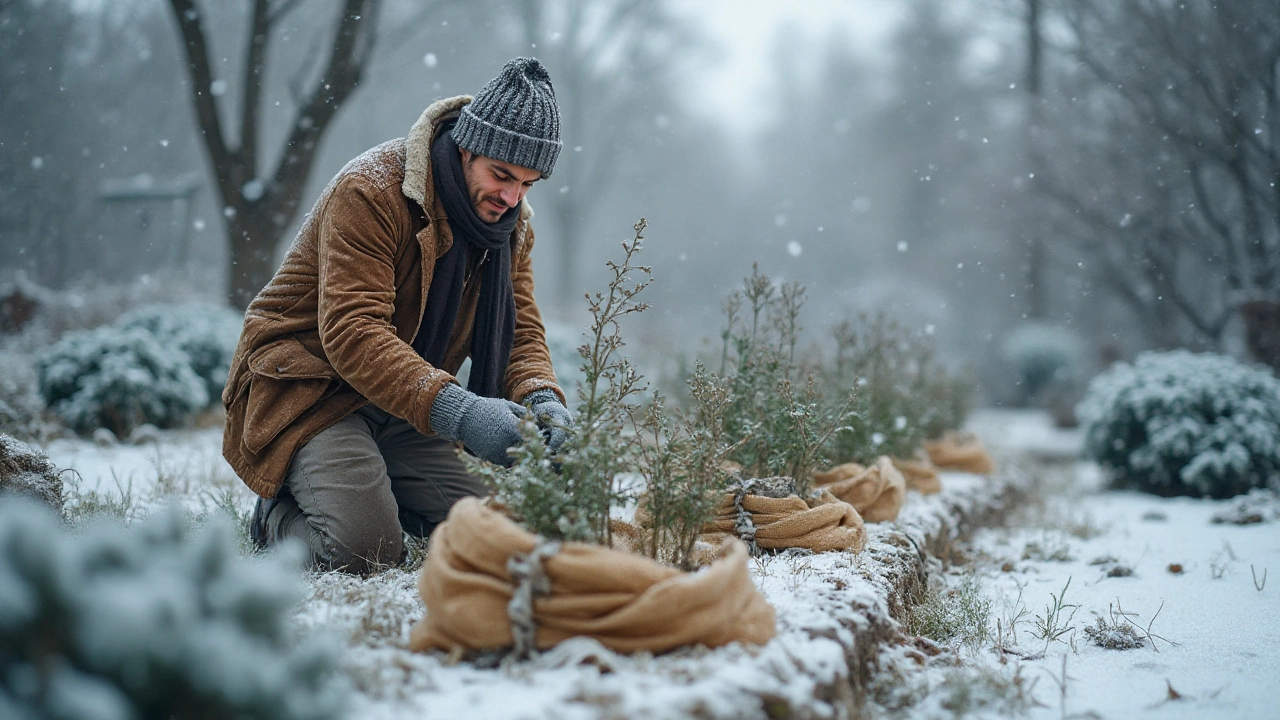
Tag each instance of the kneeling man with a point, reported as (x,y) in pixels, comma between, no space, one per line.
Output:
(342,407)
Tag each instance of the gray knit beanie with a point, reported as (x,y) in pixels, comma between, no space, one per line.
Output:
(514,119)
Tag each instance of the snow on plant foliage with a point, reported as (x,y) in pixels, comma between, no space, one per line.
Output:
(1042,355)
(153,621)
(119,379)
(1181,423)
(207,333)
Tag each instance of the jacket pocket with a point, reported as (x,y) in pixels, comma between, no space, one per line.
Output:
(285,381)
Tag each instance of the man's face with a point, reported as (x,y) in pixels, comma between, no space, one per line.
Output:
(495,186)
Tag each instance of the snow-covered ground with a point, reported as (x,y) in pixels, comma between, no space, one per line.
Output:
(1216,638)
(1192,592)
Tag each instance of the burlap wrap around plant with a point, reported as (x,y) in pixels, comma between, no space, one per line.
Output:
(962,452)
(625,601)
(823,524)
(920,475)
(876,492)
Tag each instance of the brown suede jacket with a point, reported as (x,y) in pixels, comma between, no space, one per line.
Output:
(332,330)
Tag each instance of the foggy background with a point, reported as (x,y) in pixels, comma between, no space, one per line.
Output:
(1102,171)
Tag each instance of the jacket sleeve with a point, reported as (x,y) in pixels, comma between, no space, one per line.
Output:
(529,368)
(357,243)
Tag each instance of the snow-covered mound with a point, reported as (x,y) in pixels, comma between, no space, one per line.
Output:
(1181,423)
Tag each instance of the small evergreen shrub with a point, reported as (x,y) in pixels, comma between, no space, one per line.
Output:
(682,458)
(118,379)
(777,420)
(1043,357)
(568,496)
(1181,423)
(904,394)
(207,333)
(149,622)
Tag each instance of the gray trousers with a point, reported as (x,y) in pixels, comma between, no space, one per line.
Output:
(351,490)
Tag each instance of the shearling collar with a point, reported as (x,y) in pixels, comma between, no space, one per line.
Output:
(417,152)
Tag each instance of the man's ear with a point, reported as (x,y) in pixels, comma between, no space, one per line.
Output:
(466,155)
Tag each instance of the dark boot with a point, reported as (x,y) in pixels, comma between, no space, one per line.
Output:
(258,524)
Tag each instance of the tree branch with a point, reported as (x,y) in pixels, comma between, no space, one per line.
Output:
(191,29)
(353,48)
(251,90)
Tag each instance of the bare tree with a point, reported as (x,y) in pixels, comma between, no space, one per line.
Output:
(1165,157)
(611,62)
(260,203)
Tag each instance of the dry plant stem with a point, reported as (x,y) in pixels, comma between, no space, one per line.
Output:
(1150,636)
(1052,626)
(1258,585)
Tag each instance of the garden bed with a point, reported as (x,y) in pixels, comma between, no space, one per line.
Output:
(835,614)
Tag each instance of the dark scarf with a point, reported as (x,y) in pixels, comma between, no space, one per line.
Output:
(495,322)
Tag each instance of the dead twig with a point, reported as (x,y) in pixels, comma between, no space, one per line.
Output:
(1150,636)
(1258,585)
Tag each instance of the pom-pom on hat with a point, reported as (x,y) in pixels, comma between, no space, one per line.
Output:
(514,119)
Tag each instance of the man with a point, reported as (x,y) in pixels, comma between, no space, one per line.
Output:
(342,406)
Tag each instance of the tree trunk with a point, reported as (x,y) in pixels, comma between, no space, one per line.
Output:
(262,204)
(253,239)
(1262,331)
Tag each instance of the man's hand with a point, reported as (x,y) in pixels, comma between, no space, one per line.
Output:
(488,427)
(554,419)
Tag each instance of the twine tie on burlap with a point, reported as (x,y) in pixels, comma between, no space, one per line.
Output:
(531,581)
(743,525)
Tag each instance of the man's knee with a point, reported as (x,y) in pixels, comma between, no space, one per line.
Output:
(364,547)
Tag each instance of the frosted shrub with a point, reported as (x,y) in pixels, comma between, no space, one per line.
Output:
(777,420)
(207,333)
(904,394)
(568,496)
(118,379)
(27,471)
(1042,356)
(1180,423)
(149,622)
(20,404)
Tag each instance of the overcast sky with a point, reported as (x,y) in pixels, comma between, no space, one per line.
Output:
(744,32)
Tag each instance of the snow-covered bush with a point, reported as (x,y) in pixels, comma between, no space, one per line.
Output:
(149,622)
(26,471)
(20,404)
(1042,356)
(207,333)
(118,379)
(1181,423)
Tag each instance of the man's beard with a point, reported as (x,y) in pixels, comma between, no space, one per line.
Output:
(489,212)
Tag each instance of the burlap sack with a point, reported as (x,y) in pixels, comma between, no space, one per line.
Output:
(962,452)
(920,475)
(876,492)
(625,601)
(822,525)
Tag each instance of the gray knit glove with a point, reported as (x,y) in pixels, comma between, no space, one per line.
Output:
(487,427)
(554,419)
